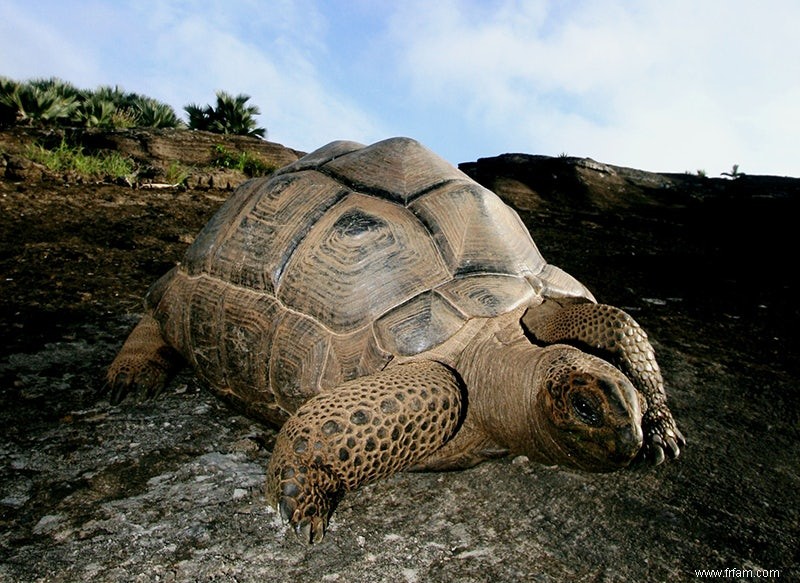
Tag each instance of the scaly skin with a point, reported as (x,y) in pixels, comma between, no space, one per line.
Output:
(144,364)
(613,333)
(362,431)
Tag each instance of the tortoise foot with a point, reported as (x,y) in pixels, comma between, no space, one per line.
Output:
(132,377)
(305,501)
(662,438)
(359,432)
(144,365)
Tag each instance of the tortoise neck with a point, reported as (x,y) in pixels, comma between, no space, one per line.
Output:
(499,370)
(504,374)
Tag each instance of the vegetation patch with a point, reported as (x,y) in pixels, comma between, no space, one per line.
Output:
(177,173)
(53,102)
(245,162)
(66,158)
(231,115)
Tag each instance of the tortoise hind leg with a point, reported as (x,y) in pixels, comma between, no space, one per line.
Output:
(144,364)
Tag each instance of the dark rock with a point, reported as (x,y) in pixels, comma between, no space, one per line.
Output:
(18,169)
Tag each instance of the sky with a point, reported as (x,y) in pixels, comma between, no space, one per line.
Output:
(659,85)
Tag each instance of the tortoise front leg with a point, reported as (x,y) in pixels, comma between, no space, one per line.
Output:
(366,429)
(615,335)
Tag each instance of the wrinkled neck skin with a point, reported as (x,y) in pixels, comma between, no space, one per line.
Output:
(503,373)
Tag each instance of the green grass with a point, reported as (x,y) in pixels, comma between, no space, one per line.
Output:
(244,162)
(68,158)
(177,173)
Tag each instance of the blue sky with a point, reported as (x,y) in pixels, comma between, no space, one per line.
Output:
(662,85)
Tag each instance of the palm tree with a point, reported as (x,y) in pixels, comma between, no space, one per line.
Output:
(153,114)
(230,116)
(199,117)
(8,108)
(37,102)
(97,111)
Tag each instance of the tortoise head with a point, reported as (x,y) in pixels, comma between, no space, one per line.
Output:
(587,413)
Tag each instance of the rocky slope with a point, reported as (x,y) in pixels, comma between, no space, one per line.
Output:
(172,490)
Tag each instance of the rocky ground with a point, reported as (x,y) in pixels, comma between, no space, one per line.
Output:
(172,490)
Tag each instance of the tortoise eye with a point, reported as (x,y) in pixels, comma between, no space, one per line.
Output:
(586,410)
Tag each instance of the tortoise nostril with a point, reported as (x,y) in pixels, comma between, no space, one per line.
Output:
(629,441)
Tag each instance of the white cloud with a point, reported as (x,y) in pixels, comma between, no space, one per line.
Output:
(659,85)
(270,55)
(675,86)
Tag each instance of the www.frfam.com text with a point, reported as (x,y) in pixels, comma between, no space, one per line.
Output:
(737,573)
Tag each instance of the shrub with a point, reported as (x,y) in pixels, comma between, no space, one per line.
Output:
(177,173)
(48,102)
(153,114)
(39,102)
(230,116)
(97,112)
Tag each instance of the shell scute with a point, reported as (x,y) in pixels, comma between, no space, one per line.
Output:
(314,160)
(419,325)
(488,295)
(398,169)
(299,349)
(351,356)
(201,256)
(361,259)
(262,237)
(476,231)
(249,320)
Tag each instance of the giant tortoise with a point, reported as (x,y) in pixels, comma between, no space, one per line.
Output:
(389,313)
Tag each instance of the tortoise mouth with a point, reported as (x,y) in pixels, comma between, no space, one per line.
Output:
(600,450)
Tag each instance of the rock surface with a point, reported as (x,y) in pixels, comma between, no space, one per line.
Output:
(172,490)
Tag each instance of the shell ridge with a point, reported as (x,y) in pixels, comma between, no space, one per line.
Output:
(401,198)
(437,291)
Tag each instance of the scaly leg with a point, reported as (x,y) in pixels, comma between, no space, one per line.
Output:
(144,365)
(361,431)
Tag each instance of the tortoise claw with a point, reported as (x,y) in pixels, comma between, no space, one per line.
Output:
(663,440)
(303,504)
(287,507)
(657,450)
(115,390)
(142,385)
(310,530)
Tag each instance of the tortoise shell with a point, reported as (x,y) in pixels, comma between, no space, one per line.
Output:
(339,263)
